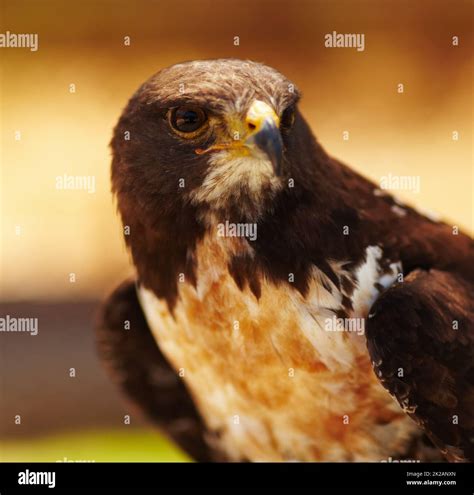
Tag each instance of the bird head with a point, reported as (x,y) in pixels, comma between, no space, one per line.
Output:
(209,135)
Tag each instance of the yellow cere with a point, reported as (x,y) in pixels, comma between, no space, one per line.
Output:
(260,111)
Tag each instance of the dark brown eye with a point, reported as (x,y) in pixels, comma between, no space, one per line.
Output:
(288,117)
(187,119)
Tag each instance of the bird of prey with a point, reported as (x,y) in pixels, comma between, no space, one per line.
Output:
(285,308)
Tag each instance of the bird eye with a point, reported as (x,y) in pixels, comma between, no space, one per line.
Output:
(288,117)
(187,119)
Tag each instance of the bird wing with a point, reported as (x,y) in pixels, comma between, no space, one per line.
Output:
(134,360)
(420,337)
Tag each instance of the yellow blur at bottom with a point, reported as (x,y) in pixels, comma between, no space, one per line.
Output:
(94,446)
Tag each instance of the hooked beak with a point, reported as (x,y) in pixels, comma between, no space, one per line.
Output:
(265,135)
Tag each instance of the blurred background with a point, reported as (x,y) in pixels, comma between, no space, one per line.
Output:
(60,103)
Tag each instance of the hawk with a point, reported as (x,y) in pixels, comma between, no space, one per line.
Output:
(284,306)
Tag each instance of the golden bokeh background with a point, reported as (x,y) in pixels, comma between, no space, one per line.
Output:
(82,43)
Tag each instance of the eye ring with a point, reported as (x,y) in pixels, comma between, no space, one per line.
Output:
(187,120)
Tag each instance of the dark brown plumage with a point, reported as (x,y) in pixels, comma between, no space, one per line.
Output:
(421,339)
(325,233)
